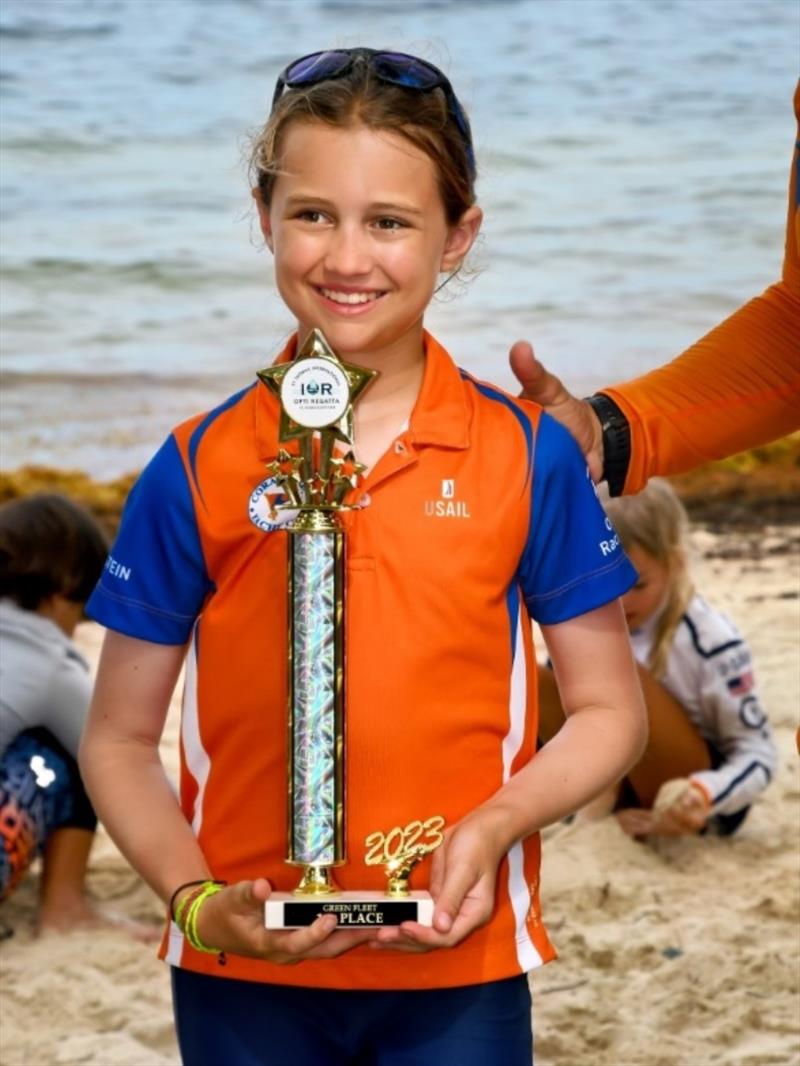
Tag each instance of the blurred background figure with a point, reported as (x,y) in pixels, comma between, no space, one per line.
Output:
(711,750)
(51,554)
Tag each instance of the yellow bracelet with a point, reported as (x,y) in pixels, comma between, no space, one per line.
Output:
(176,913)
(180,910)
(210,888)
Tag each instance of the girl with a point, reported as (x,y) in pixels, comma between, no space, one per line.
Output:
(364,183)
(710,751)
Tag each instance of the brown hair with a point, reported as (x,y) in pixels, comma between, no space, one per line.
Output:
(48,545)
(359,98)
(655,520)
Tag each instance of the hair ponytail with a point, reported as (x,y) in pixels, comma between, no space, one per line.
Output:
(656,521)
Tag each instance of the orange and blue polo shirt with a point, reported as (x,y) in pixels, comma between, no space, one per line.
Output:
(480,517)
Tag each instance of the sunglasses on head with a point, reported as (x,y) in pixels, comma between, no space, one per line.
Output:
(394,68)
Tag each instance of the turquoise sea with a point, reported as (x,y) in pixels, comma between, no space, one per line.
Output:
(633,163)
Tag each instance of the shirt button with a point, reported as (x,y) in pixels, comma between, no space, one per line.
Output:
(365,500)
(399,447)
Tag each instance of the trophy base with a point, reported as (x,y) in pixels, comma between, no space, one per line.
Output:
(354,910)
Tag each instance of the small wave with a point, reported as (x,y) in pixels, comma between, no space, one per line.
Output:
(21,379)
(39,30)
(174,77)
(54,146)
(172,274)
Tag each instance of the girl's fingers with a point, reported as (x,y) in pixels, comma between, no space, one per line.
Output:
(410,936)
(260,890)
(635,822)
(459,879)
(438,867)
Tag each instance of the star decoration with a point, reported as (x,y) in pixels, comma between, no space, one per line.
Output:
(316,346)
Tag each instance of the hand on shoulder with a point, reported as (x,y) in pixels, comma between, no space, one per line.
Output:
(544,388)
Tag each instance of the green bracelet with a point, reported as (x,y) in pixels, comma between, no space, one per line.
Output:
(210,888)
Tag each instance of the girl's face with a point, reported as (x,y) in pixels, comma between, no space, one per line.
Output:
(359,233)
(649,593)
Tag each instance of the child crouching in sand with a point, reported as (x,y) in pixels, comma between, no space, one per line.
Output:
(711,751)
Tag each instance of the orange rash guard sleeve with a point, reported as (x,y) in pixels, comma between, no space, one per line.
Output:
(736,388)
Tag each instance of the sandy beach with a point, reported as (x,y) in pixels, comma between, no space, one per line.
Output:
(680,954)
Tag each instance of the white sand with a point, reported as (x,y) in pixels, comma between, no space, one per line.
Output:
(681,954)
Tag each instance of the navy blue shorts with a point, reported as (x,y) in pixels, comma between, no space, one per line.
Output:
(40,791)
(246,1023)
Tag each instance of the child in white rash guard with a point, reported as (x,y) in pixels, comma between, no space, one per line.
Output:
(709,739)
(699,659)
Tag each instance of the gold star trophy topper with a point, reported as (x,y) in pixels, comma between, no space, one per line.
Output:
(317,392)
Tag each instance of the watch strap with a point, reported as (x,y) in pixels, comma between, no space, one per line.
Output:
(616,441)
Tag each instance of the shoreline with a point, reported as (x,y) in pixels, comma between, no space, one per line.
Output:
(743,494)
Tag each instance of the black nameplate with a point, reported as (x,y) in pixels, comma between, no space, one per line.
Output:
(351,915)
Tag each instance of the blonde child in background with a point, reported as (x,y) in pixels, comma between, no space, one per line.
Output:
(710,751)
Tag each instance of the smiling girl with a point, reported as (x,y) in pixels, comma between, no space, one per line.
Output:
(364,183)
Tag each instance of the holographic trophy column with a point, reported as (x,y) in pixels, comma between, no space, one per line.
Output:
(317,392)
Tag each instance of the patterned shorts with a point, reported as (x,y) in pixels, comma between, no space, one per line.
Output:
(40,791)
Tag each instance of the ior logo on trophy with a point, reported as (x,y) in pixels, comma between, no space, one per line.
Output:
(317,392)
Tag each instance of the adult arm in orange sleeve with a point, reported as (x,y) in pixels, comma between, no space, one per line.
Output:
(735,388)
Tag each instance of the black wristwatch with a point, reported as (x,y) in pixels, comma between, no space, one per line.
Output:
(616,441)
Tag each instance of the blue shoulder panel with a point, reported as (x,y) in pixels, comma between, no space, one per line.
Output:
(202,426)
(572,561)
(155,579)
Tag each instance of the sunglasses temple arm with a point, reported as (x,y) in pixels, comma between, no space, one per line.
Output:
(280,85)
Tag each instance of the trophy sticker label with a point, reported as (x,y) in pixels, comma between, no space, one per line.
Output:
(315,393)
(262,503)
(298,915)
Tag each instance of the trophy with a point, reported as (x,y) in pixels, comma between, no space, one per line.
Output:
(316,393)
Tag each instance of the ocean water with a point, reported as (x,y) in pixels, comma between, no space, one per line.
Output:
(633,161)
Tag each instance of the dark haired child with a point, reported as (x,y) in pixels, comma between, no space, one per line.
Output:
(364,182)
(51,555)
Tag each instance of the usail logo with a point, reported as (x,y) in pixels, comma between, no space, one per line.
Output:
(447,506)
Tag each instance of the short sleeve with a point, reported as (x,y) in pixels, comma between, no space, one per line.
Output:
(155,580)
(572,561)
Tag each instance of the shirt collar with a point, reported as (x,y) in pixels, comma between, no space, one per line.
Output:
(441,415)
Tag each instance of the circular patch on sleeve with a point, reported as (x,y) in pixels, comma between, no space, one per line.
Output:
(263,503)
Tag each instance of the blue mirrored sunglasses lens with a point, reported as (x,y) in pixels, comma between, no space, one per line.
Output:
(402,69)
(316,67)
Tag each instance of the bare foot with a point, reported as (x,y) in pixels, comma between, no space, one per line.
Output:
(84,914)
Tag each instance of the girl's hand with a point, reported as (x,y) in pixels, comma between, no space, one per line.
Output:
(637,822)
(687,814)
(233,921)
(463,878)
(684,816)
